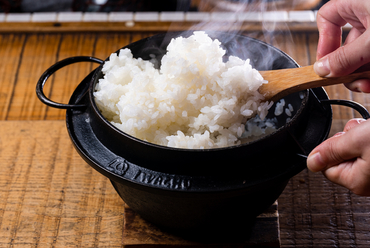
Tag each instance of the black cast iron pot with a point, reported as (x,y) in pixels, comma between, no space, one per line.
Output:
(188,190)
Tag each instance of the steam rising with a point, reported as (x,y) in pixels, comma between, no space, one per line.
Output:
(252,18)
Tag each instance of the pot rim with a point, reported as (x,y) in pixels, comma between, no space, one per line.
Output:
(107,162)
(120,168)
(98,73)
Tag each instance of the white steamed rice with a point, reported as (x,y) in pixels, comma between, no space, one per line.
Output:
(194,101)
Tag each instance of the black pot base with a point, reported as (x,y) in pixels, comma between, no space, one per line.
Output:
(183,204)
(188,191)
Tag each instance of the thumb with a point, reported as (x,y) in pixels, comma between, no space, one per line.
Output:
(331,152)
(345,59)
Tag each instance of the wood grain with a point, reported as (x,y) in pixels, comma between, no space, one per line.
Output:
(10,49)
(284,82)
(51,198)
(28,56)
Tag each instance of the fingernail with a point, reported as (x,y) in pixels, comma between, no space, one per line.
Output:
(338,134)
(315,162)
(322,67)
(360,120)
(356,86)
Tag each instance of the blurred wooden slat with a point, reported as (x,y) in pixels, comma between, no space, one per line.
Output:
(286,42)
(11,47)
(23,100)
(28,56)
(223,5)
(67,79)
(55,27)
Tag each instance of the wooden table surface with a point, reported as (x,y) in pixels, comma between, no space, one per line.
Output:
(49,197)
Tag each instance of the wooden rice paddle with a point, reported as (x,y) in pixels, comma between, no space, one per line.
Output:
(286,81)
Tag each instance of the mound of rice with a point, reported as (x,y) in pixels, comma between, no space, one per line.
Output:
(195,100)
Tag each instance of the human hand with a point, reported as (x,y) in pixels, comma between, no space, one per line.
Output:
(335,60)
(345,158)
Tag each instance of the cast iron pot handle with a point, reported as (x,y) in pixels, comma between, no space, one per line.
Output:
(356,106)
(54,68)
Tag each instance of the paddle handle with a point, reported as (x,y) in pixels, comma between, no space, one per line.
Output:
(287,81)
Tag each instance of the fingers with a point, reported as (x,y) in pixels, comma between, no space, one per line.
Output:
(353,34)
(353,175)
(353,123)
(345,158)
(326,154)
(361,85)
(333,59)
(340,148)
(331,152)
(330,25)
(345,59)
